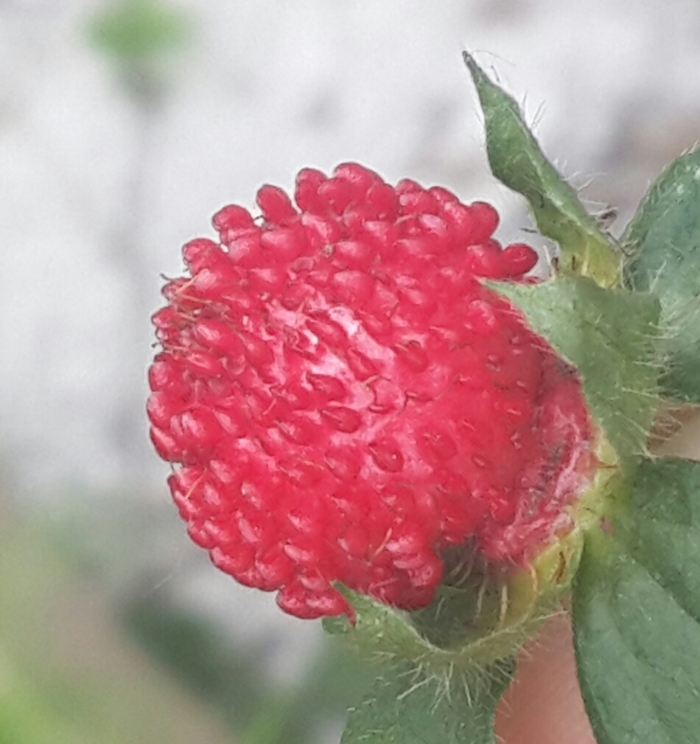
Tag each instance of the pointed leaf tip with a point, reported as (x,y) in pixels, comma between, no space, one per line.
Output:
(517,161)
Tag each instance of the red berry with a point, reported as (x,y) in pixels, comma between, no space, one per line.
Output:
(344,401)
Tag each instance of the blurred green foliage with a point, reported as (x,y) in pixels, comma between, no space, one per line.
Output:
(231,678)
(68,673)
(134,30)
(118,541)
(143,39)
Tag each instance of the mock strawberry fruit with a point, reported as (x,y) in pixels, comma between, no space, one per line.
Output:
(343,400)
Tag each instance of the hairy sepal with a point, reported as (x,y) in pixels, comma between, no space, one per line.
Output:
(408,705)
(611,337)
(467,627)
(518,162)
(442,670)
(663,246)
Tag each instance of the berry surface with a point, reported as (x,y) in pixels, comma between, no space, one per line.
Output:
(343,400)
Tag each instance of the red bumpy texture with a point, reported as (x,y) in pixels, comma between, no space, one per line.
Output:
(343,400)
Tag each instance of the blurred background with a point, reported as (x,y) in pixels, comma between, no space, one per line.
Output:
(124,125)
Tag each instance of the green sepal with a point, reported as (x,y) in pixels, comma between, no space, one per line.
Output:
(378,631)
(473,622)
(517,161)
(610,336)
(636,611)
(663,243)
(408,706)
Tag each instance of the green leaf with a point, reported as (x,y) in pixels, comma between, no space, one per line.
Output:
(636,609)
(609,336)
(517,161)
(663,240)
(408,707)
